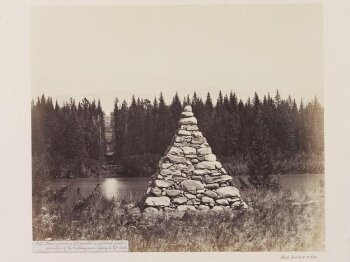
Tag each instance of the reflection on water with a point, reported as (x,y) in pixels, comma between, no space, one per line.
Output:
(123,187)
(109,188)
(118,188)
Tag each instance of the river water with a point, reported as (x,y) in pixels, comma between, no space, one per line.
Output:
(125,187)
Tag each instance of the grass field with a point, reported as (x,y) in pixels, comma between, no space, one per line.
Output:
(275,221)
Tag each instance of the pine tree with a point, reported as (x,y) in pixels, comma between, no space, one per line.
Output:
(260,162)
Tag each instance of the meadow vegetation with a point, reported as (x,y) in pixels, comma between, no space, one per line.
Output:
(275,221)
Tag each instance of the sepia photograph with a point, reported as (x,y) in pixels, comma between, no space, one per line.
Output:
(179,128)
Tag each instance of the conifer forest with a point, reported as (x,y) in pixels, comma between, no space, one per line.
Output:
(69,139)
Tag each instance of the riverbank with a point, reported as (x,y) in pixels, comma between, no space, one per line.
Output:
(275,221)
(122,187)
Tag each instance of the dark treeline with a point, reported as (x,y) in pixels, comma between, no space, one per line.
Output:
(145,128)
(70,137)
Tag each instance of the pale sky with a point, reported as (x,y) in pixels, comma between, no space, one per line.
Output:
(117,51)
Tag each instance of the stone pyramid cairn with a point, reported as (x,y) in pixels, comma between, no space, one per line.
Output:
(189,177)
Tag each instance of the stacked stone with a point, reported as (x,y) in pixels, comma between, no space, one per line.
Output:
(189,177)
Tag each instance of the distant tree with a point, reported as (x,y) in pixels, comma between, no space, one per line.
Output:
(260,161)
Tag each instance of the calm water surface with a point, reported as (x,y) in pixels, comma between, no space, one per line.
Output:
(122,187)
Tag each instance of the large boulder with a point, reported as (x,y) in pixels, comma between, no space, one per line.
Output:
(175,151)
(228,191)
(177,159)
(211,194)
(222,178)
(156,191)
(172,192)
(163,183)
(210,157)
(191,186)
(189,150)
(157,201)
(222,202)
(206,165)
(207,200)
(204,151)
(179,200)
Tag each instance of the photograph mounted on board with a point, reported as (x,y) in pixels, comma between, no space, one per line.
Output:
(179,128)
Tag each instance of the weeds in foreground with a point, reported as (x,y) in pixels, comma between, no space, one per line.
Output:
(275,221)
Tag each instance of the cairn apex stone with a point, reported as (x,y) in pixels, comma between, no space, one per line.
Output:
(188,108)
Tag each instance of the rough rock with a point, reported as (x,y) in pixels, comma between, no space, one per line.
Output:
(151,210)
(207,200)
(221,178)
(204,151)
(185,208)
(228,191)
(191,185)
(177,159)
(188,121)
(217,208)
(210,157)
(163,183)
(186,114)
(175,151)
(172,192)
(157,201)
(197,134)
(203,208)
(200,172)
(211,194)
(189,150)
(212,186)
(179,200)
(222,202)
(192,128)
(189,196)
(156,191)
(184,133)
(188,108)
(206,165)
